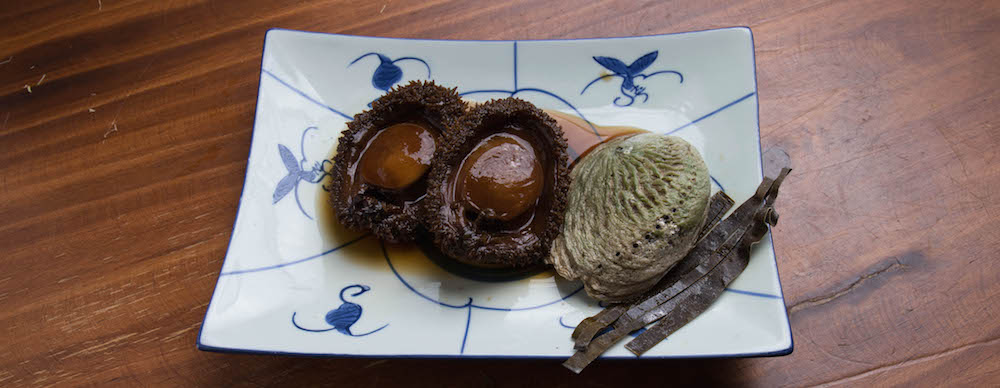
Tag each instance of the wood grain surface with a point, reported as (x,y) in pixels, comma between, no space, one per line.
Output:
(121,168)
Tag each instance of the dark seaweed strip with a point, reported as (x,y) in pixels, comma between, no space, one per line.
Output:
(684,308)
(588,328)
(724,251)
(707,253)
(772,193)
(718,205)
(582,358)
(698,298)
(688,305)
(626,324)
(623,326)
(694,266)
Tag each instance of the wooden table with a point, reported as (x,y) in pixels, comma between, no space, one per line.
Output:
(125,128)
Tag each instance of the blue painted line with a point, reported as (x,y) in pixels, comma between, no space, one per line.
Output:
(360,58)
(679,75)
(418,60)
(751,293)
(573,155)
(316,256)
(572,152)
(545,92)
(595,80)
(298,202)
(308,329)
(716,181)
(385,253)
(567,296)
(302,142)
(605,330)
(401,280)
(515,65)
(553,95)
(370,332)
(710,114)
(508,92)
(468,319)
(304,95)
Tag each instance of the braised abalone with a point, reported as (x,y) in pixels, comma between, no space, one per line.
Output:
(379,178)
(497,190)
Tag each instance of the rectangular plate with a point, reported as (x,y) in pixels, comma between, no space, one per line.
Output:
(294,283)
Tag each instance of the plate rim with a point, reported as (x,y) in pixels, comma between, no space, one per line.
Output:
(756,96)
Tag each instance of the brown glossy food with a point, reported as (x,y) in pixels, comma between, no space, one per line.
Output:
(501,178)
(497,189)
(379,178)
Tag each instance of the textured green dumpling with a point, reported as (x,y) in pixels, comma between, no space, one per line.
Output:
(636,205)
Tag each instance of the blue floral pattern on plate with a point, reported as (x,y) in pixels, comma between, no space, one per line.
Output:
(268,267)
(297,172)
(343,317)
(388,73)
(629,73)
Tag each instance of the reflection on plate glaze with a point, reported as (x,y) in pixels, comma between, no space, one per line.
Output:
(342,318)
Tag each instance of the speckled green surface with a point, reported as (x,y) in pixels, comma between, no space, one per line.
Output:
(636,204)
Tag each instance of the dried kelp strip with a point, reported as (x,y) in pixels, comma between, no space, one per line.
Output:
(717,207)
(598,346)
(706,253)
(589,327)
(695,265)
(699,297)
(719,204)
(585,331)
(626,324)
(729,236)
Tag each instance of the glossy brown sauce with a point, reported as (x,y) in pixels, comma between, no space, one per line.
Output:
(424,259)
(409,148)
(519,229)
(397,156)
(501,178)
(411,259)
(582,138)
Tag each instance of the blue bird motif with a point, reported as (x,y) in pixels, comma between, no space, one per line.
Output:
(297,172)
(388,73)
(629,73)
(342,318)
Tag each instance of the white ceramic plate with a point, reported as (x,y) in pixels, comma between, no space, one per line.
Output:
(293,284)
